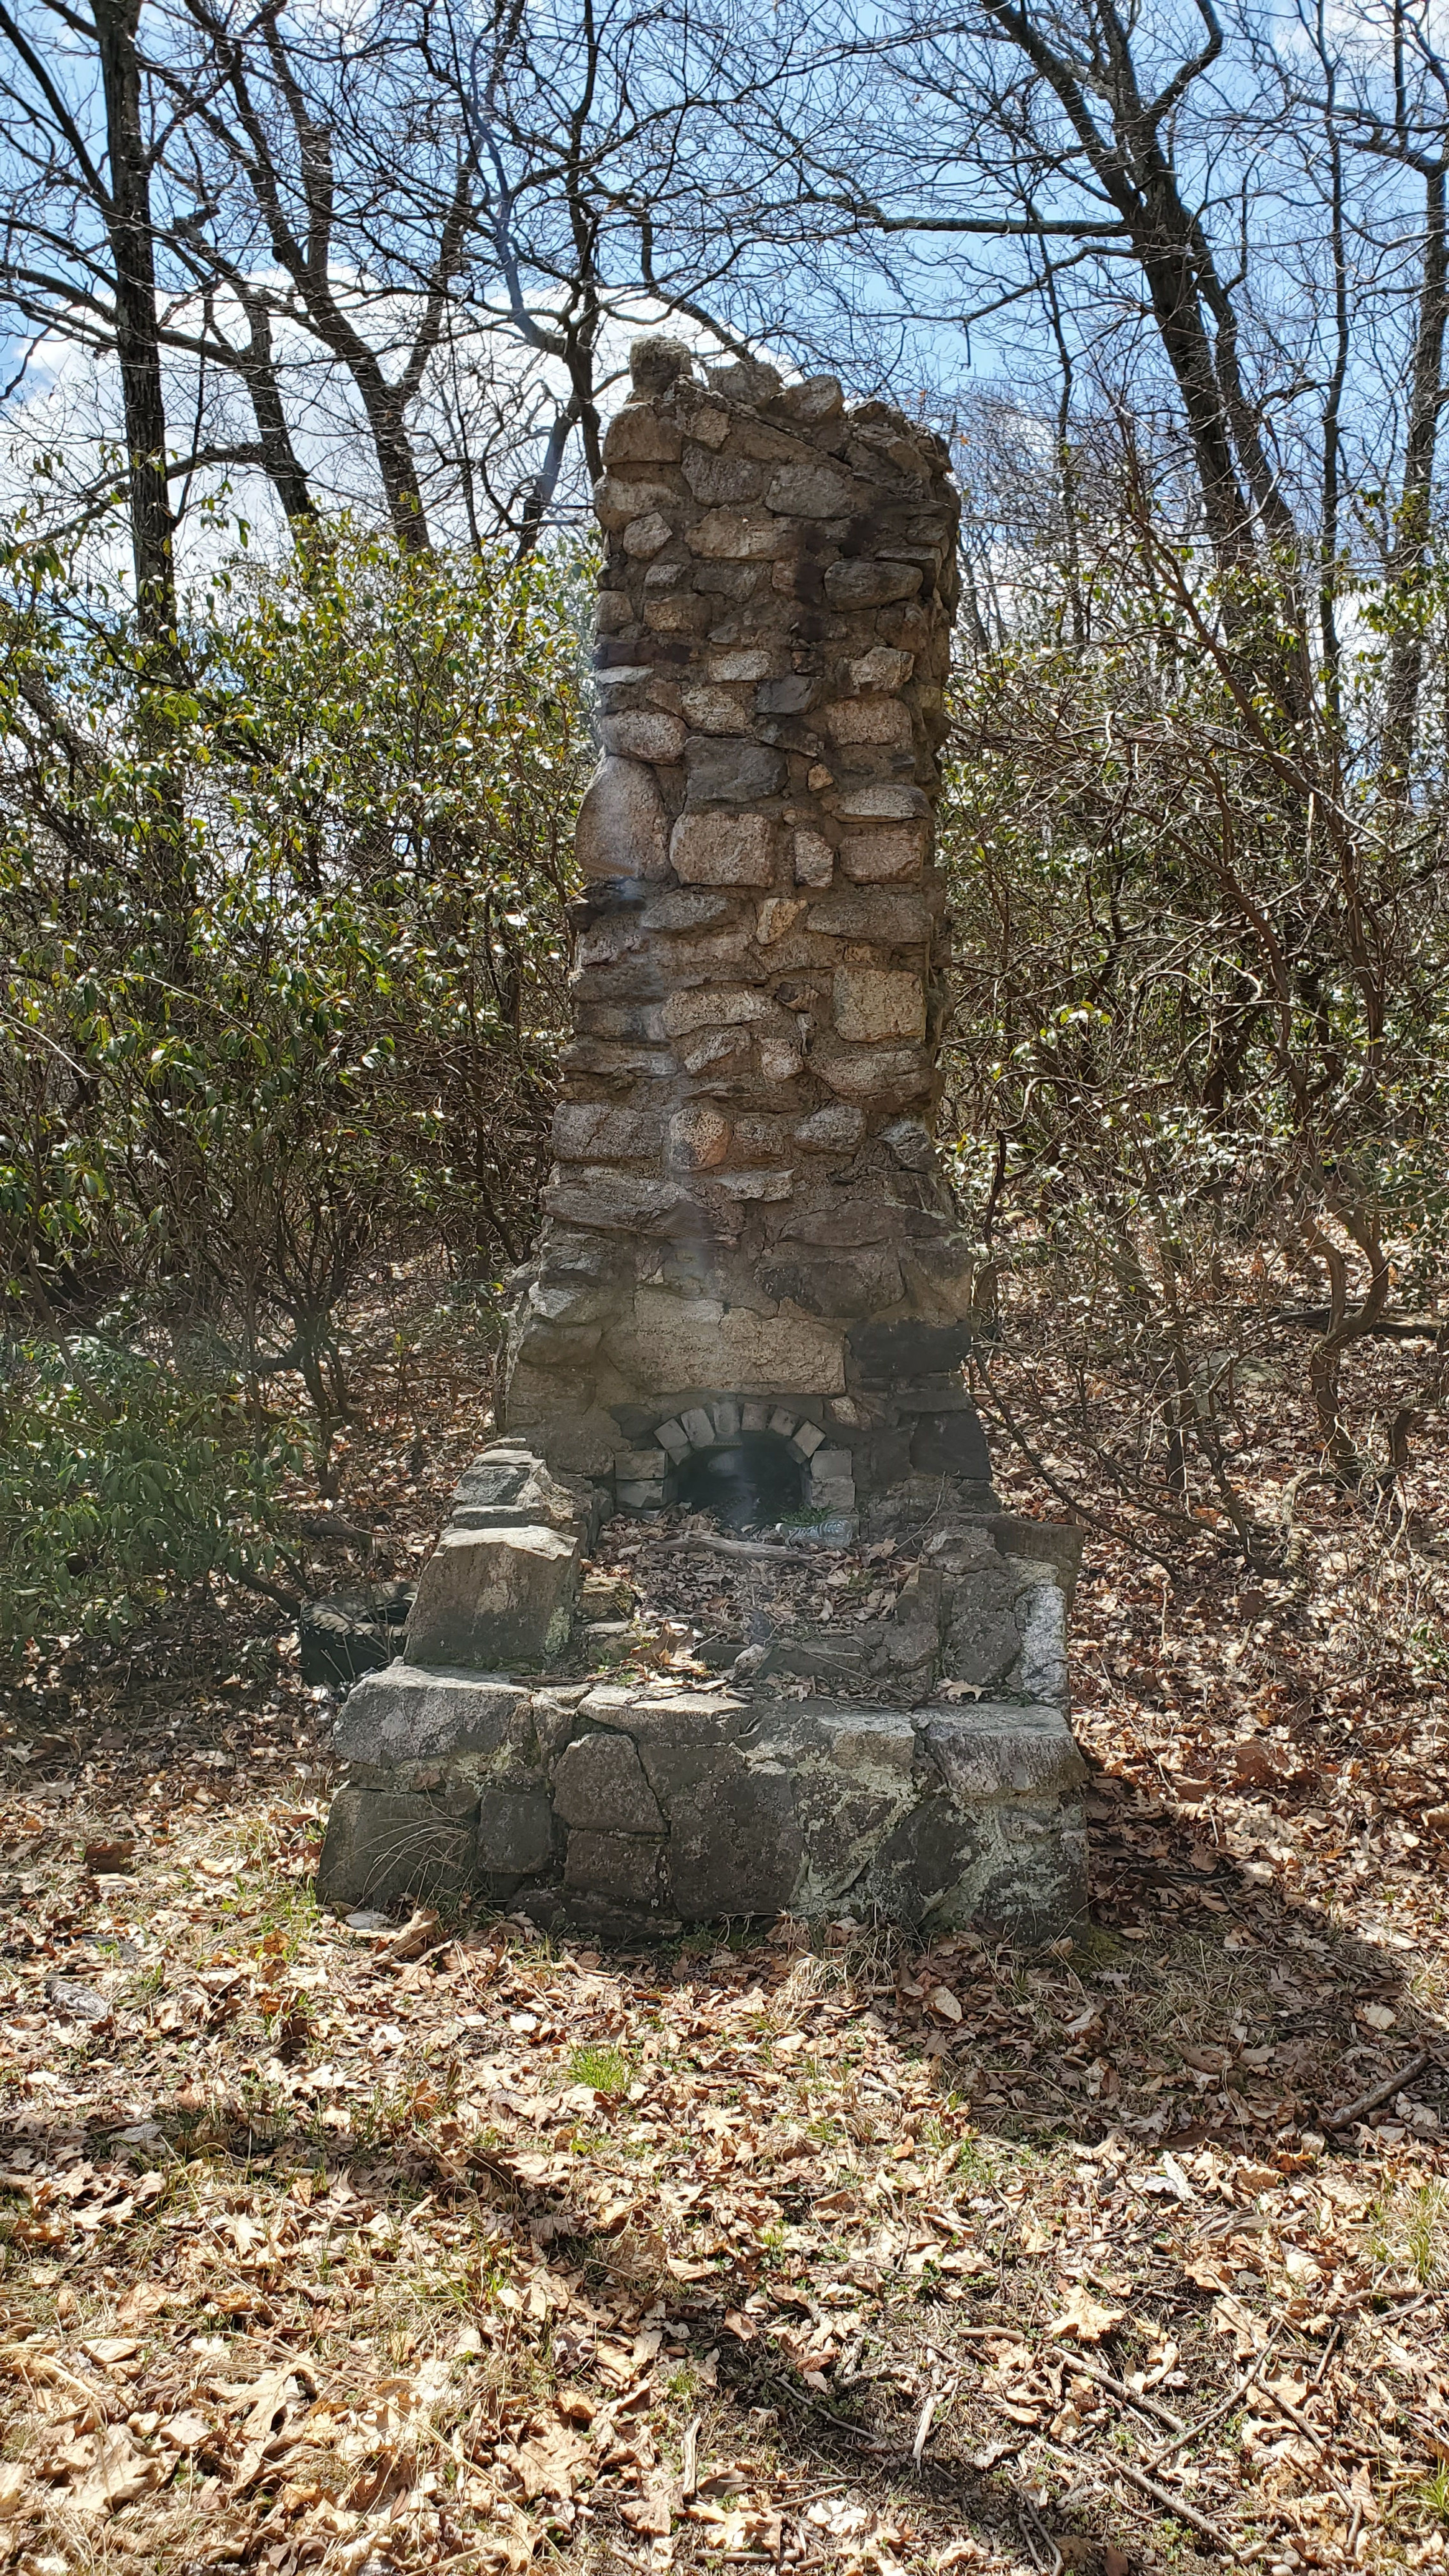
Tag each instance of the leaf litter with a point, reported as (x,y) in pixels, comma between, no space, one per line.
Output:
(432,2243)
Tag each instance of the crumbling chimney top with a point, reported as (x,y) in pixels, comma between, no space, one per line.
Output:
(656,362)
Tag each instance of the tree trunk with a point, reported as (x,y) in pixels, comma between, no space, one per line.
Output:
(279,457)
(1411,541)
(138,343)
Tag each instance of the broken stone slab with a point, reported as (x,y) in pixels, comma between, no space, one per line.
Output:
(999,1749)
(508,1487)
(416,1713)
(599,1785)
(495,1599)
(1057,1544)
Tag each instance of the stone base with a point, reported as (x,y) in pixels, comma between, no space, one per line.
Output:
(632,1811)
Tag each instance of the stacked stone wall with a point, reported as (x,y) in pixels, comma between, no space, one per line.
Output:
(745,1174)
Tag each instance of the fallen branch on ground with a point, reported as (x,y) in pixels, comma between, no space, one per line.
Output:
(735,1547)
(1129,2396)
(1367,2102)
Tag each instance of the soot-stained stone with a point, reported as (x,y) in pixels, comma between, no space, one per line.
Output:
(951,1444)
(725,771)
(514,1833)
(819,1286)
(890,1355)
(624,1869)
(863,583)
(787,697)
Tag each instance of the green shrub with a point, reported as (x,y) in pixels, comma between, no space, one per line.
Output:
(121,1484)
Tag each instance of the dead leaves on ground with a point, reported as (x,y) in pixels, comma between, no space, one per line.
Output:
(783,2193)
(1085,2318)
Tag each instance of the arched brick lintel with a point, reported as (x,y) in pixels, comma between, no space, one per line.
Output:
(830,1484)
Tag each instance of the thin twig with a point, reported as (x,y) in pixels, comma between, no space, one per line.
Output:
(866,2441)
(1129,2396)
(1223,2407)
(1163,2496)
(1295,2415)
(1035,2529)
(1317,2380)
(1367,2102)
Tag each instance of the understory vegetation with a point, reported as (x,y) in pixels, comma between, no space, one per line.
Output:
(284,982)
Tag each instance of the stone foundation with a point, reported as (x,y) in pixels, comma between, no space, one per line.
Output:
(621,1812)
(630,1809)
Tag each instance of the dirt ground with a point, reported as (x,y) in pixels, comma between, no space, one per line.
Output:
(434,2244)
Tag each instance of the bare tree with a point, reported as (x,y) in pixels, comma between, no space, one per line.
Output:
(74,153)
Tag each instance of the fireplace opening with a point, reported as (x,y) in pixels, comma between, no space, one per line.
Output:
(742,1482)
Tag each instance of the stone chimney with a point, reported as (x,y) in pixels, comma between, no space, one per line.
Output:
(749,1269)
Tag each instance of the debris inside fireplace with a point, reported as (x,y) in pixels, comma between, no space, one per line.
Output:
(873,1614)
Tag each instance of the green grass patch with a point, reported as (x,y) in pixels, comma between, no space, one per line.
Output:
(606,2069)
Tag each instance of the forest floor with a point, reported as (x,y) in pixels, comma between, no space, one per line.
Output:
(440,2245)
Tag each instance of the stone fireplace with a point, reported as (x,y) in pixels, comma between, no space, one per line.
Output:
(749,1297)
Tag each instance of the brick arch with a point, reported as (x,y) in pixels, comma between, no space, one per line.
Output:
(714,1424)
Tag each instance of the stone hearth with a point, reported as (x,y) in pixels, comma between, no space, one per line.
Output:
(749,1296)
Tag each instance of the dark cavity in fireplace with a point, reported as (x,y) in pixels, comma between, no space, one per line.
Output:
(742,1482)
